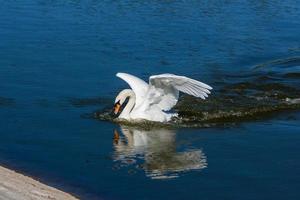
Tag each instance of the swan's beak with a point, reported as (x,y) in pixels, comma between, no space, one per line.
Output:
(117,107)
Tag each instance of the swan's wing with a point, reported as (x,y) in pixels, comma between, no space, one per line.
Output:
(138,86)
(164,89)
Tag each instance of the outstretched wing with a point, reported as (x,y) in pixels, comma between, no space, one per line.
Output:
(164,89)
(138,86)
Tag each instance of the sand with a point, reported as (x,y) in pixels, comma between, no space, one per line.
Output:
(15,186)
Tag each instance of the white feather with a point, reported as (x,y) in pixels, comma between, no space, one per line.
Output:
(138,86)
(161,94)
(177,83)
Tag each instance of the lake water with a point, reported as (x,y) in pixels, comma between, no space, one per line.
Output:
(58,61)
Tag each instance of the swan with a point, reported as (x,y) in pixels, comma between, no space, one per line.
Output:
(153,101)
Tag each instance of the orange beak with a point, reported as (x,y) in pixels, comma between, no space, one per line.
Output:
(117,107)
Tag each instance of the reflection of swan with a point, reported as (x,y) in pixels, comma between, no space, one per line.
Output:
(157,149)
(151,101)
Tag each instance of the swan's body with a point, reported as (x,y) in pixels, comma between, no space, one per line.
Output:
(152,101)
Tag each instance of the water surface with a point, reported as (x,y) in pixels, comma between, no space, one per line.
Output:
(57,68)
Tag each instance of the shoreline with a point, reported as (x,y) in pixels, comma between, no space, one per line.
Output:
(16,186)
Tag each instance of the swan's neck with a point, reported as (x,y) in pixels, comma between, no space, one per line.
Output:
(125,114)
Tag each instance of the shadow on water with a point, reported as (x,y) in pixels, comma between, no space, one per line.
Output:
(155,152)
(265,90)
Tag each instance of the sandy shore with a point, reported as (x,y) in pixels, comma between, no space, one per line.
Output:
(15,186)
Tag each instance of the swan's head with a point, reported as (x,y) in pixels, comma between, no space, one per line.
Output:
(121,100)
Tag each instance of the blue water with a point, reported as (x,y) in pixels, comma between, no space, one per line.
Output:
(55,53)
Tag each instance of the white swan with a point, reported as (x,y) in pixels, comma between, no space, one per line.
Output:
(152,101)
